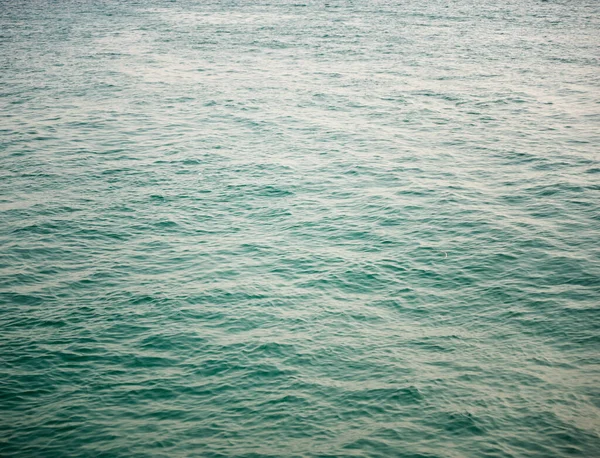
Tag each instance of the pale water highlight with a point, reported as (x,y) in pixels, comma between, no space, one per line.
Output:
(299,228)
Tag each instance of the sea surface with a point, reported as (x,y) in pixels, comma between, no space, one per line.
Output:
(293,228)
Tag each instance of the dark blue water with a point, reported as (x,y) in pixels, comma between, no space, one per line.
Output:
(345,228)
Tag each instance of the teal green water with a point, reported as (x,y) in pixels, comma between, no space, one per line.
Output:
(286,228)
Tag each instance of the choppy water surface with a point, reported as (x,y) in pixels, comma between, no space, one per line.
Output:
(288,228)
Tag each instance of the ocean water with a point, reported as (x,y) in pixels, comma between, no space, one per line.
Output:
(297,228)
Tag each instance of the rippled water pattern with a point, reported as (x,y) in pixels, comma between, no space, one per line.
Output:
(287,228)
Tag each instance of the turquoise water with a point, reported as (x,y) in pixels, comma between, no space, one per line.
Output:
(287,228)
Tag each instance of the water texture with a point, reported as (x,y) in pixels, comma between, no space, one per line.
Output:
(299,228)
